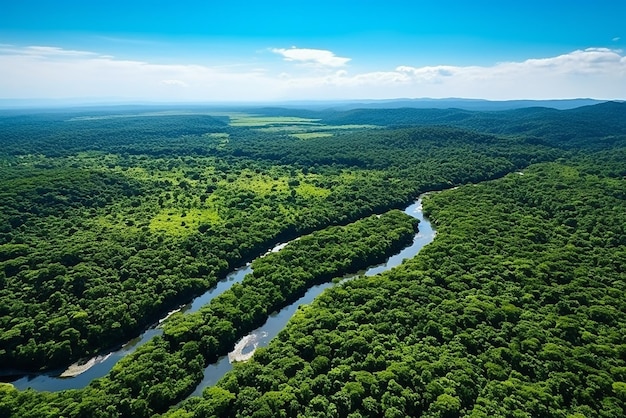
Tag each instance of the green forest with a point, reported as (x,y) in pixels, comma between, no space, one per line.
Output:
(113,217)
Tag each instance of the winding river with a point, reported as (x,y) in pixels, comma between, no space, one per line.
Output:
(81,374)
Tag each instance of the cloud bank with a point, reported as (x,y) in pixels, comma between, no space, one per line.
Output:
(318,57)
(304,74)
(174,83)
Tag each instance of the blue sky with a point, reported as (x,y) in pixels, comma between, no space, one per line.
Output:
(285,50)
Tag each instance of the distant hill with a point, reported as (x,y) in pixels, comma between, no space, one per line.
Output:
(466,104)
(317,105)
(572,127)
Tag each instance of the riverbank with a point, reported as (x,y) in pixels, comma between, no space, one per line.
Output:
(83,373)
(278,321)
(80,368)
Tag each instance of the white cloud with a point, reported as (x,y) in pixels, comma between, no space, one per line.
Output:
(55,51)
(64,74)
(52,72)
(617,38)
(174,83)
(590,60)
(320,57)
(428,74)
(44,51)
(593,72)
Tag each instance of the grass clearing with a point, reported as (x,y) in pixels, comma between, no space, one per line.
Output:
(286,129)
(349,127)
(249,120)
(309,190)
(183,222)
(269,185)
(261,184)
(311,135)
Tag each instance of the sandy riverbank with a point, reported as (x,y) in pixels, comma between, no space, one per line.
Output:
(78,368)
(249,343)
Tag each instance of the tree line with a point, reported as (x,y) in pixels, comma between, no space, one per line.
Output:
(516,309)
(104,230)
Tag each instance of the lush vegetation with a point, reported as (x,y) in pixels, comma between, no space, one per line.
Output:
(117,219)
(517,309)
(585,127)
(280,278)
(165,369)
(109,219)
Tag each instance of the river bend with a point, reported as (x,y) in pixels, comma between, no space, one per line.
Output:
(81,374)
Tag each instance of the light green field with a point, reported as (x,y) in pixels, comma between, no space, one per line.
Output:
(261,184)
(349,127)
(309,190)
(266,185)
(311,135)
(307,128)
(314,130)
(287,128)
(177,222)
(242,119)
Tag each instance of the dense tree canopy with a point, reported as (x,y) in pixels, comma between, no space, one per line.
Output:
(118,218)
(111,218)
(517,309)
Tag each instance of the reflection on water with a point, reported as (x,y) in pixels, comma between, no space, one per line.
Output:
(101,365)
(277,321)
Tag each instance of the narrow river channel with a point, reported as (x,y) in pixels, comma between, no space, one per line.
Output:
(277,321)
(101,365)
